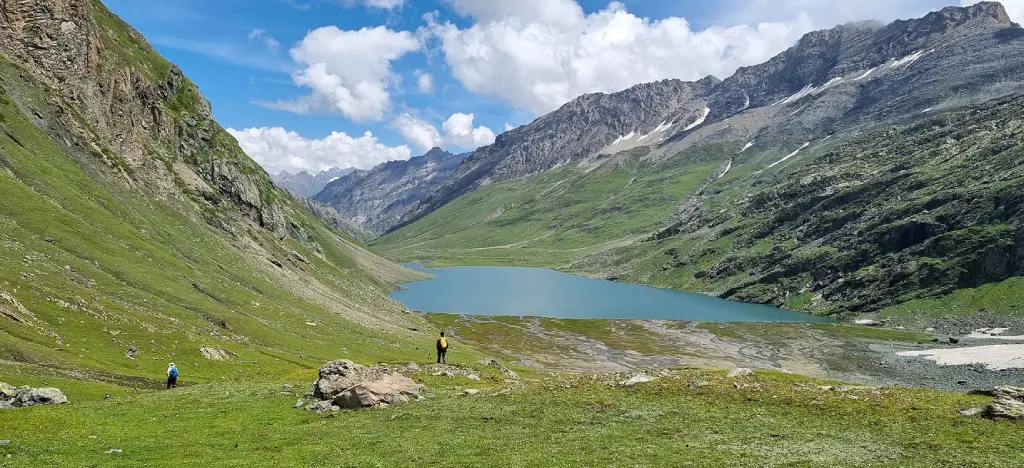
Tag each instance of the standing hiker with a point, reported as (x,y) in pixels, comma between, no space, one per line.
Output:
(442,349)
(172,376)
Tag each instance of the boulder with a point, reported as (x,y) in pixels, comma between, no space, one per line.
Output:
(216,353)
(1008,403)
(471,391)
(740,372)
(970,411)
(18,397)
(319,406)
(350,385)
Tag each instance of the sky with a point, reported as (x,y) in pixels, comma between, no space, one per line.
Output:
(306,85)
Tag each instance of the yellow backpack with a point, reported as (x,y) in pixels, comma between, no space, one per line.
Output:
(444,343)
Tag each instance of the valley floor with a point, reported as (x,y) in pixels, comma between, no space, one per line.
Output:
(683,417)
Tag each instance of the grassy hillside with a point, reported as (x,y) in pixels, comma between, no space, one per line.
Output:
(557,217)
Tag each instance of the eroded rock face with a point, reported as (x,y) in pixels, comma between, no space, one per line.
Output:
(349,385)
(18,397)
(1008,404)
(139,116)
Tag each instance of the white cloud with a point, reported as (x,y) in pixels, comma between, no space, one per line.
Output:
(348,72)
(459,131)
(424,81)
(277,149)
(539,54)
(509,127)
(261,35)
(1015,8)
(419,133)
(385,4)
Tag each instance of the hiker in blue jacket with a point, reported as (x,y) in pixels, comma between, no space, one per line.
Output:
(172,376)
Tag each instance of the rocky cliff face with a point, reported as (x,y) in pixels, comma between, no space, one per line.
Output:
(124,105)
(306,184)
(825,81)
(377,198)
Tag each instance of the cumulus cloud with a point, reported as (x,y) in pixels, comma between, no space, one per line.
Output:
(277,149)
(539,54)
(458,131)
(424,81)
(348,72)
(419,133)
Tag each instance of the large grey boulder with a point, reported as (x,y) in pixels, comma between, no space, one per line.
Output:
(350,385)
(1008,404)
(18,397)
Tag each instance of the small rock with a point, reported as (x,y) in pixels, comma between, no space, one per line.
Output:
(970,411)
(48,239)
(412,367)
(961,382)
(953,340)
(106,397)
(868,323)
(471,391)
(473,377)
(299,404)
(5,442)
(114,450)
(286,387)
(338,408)
(740,372)
(640,378)
(319,406)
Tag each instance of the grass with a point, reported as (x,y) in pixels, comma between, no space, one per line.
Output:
(772,420)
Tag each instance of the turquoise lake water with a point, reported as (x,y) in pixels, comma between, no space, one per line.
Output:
(546,293)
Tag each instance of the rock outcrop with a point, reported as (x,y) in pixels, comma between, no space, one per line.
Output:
(18,397)
(1008,404)
(346,384)
(216,353)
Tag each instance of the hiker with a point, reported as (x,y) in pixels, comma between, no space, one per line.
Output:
(442,349)
(172,376)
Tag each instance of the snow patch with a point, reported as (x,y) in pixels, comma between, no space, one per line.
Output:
(799,95)
(747,103)
(826,138)
(790,155)
(334,179)
(833,81)
(865,75)
(908,59)
(994,334)
(798,110)
(927,110)
(728,167)
(993,357)
(700,120)
(746,147)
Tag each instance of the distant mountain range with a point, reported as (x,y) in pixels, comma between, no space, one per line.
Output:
(868,165)
(306,184)
(376,199)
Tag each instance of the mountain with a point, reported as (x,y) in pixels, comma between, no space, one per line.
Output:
(135,231)
(830,178)
(308,185)
(377,198)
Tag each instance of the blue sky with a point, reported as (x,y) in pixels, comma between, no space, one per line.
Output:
(300,82)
